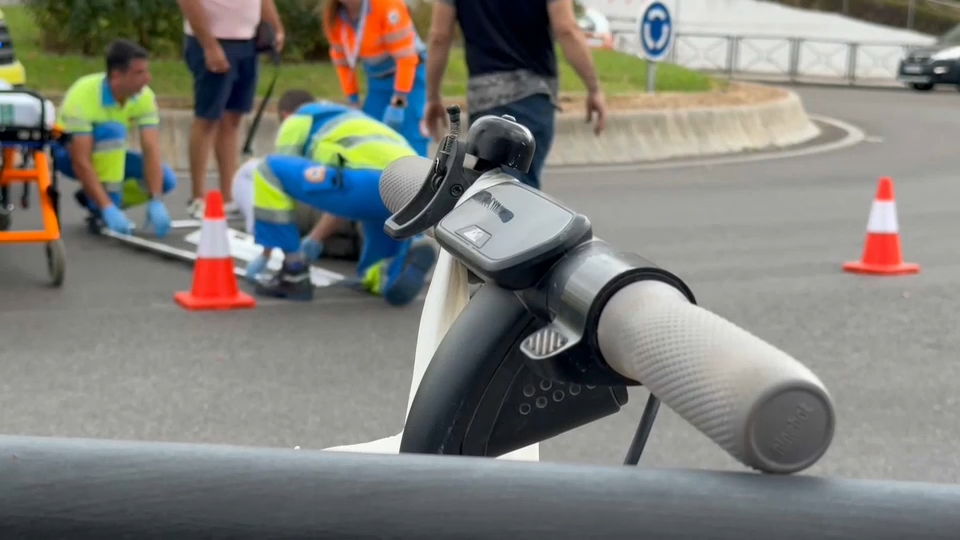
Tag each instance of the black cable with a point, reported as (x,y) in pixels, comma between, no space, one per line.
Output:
(247,150)
(643,431)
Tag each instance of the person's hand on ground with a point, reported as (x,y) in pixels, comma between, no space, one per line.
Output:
(116,221)
(158,217)
(311,249)
(215,58)
(435,119)
(597,111)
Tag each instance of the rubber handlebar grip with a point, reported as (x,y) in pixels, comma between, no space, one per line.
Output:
(756,402)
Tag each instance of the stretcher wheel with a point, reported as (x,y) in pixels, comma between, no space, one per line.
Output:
(56,261)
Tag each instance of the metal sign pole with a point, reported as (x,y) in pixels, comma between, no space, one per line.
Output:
(655,28)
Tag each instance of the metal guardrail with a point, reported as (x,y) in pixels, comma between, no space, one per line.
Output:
(793,59)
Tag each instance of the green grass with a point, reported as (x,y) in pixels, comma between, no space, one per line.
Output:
(618,73)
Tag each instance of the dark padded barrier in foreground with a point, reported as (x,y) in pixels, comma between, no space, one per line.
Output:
(85,489)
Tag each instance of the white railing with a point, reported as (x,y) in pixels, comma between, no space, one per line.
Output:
(782,58)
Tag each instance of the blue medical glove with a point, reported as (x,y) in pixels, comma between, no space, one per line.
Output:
(158,218)
(353,99)
(311,249)
(256,267)
(115,220)
(393,117)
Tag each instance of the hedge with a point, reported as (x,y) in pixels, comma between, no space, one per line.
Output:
(87,26)
(927,19)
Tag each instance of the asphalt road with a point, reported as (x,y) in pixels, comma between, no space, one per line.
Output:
(761,243)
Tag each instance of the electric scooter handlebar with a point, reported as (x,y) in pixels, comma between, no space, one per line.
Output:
(402,180)
(753,400)
(764,408)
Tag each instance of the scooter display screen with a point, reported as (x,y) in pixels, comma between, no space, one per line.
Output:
(502,232)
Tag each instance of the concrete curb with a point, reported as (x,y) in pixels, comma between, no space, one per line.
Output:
(631,136)
(642,136)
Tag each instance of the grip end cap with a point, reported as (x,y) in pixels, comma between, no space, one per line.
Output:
(791,430)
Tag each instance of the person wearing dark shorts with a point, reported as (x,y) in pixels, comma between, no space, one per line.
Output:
(220,51)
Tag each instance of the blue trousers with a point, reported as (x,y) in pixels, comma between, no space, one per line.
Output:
(537,113)
(134,189)
(379,92)
(352,194)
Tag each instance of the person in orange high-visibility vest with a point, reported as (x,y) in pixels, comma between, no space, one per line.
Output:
(380,36)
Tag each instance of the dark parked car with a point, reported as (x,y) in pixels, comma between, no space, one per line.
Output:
(925,67)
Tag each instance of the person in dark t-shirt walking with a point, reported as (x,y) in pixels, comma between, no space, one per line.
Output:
(512,66)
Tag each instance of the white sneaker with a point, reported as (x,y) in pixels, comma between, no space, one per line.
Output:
(231,209)
(196,208)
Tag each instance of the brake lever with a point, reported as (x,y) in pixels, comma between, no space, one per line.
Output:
(446,182)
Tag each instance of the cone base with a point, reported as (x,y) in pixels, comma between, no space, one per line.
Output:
(187,300)
(901,269)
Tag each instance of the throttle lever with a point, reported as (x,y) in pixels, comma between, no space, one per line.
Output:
(445,184)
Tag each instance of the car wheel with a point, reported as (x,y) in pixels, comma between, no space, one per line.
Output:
(922,87)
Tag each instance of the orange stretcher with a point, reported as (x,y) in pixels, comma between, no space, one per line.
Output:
(31,146)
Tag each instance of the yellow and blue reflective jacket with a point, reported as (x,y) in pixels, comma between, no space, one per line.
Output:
(339,136)
(89,108)
(334,136)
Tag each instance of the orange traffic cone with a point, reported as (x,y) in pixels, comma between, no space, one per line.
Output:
(881,252)
(214,283)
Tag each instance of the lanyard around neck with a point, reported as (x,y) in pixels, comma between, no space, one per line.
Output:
(352,53)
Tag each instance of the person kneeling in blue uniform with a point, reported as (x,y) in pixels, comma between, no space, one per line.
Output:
(330,157)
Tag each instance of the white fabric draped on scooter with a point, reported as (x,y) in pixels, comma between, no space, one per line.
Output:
(446,297)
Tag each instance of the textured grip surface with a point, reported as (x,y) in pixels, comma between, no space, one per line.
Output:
(763,407)
(402,179)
